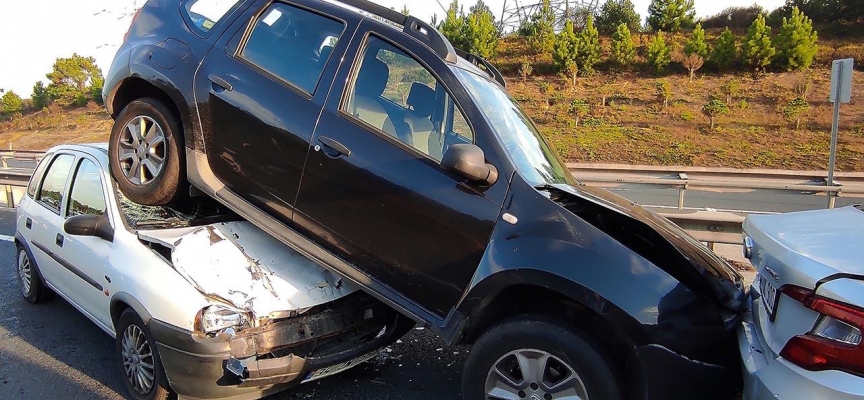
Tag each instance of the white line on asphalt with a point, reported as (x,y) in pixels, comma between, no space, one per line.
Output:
(6,238)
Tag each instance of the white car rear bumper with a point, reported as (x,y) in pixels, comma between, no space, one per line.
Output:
(773,378)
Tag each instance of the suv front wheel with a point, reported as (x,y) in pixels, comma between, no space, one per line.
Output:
(146,154)
(535,358)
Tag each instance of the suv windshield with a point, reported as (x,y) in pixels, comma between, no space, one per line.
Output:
(527,148)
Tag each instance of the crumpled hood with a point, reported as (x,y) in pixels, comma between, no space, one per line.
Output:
(815,244)
(726,283)
(238,264)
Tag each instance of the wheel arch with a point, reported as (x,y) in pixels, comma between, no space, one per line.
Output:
(24,246)
(135,88)
(121,301)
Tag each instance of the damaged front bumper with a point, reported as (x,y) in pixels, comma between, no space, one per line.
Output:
(260,361)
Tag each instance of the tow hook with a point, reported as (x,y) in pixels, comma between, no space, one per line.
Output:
(237,367)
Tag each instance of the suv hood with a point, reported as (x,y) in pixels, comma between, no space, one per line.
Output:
(804,248)
(652,236)
(238,264)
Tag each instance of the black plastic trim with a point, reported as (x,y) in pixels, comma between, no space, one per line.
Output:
(69,266)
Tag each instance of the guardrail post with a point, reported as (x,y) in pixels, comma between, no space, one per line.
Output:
(10,196)
(681,190)
(832,200)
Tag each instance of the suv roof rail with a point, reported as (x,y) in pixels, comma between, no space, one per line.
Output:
(486,66)
(413,26)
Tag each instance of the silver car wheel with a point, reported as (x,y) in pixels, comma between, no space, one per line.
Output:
(138,359)
(25,272)
(533,375)
(142,150)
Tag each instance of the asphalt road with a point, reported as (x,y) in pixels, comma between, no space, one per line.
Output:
(737,200)
(50,351)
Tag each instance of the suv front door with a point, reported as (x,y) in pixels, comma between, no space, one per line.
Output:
(260,91)
(373,190)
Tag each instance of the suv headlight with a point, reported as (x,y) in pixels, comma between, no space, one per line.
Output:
(216,318)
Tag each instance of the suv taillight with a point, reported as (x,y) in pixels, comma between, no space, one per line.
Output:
(835,342)
(128,31)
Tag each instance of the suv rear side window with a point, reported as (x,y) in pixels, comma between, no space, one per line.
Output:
(293,45)
(205,14)
(54,184)
(88,196)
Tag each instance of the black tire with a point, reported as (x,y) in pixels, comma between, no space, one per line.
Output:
(563,347)
(159,389)
(32,287)
(168,185)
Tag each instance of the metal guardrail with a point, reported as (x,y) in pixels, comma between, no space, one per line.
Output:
(707,225)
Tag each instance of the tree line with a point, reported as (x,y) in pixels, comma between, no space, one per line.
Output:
(75,80)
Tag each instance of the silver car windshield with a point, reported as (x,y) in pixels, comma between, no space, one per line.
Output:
(527,148)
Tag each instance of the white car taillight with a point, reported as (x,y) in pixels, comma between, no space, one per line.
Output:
(834,343)
(834,329)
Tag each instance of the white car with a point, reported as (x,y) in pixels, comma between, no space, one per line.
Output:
(201,303)
(801,338)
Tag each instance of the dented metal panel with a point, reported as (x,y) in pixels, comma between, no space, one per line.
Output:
(239,264)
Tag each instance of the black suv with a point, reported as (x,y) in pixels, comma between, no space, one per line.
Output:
(359,137)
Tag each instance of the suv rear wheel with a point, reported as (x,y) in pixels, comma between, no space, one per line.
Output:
(146,154)
(535,358)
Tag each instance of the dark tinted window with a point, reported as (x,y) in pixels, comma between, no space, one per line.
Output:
(88,197)
(205,14)
(54,184)
(293,44)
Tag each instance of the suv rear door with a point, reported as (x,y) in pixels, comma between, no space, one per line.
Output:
(373,190)
(260,92)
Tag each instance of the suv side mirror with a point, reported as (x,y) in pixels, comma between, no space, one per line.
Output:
(90,225)
(469,161)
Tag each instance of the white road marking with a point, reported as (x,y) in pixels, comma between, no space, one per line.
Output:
(6,238)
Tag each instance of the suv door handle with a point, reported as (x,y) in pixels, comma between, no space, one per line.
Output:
(28,224)
(221,83)
(331,144)
(59,240)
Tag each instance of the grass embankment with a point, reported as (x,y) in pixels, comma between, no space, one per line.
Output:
(632,128)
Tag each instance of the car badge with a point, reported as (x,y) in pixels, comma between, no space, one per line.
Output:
(773,274)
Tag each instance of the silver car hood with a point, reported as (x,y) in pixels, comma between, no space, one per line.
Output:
(238,264)
(806,247)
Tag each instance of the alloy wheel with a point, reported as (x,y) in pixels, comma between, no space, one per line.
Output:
(138,359)
(25,272)
(533,375)
(142,150)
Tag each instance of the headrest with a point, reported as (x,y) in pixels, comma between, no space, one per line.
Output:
(373,77)
(421,99)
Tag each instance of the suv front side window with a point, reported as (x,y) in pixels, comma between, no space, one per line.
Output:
(395,94)
(54,183)
(88,196)
(293,45)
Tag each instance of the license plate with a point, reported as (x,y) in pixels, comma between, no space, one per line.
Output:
(335,369)
(769,296)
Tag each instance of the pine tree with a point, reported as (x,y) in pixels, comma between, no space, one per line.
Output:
(589,47)
(579,108)
(623,50)
(725,53)
(696,43)
(617,12)
(659,55)
(481,32)
(405,10)
(794,110)
(11,103)
(796,43)
(39,96)
(757,52)
(566,51)
(714,109)
(541,35)
(671,15)
(663,91)
(453,26)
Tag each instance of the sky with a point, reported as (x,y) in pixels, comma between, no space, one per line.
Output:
(36,32)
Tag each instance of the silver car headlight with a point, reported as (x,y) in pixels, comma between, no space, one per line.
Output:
(217,318)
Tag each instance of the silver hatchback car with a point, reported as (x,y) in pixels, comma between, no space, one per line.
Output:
(802,337)
(201,303)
